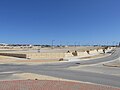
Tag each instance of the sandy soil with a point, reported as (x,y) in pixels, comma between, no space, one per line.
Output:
(113,64)
(94,57)
(33,76)
(49,50)
(12,60)
(4,57)
(6,60)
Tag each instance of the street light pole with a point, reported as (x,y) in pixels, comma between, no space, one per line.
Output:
(53,44)
(113,43)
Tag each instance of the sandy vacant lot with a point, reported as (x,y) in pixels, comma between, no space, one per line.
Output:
(12,60)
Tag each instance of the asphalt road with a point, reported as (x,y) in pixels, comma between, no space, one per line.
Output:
(61,70)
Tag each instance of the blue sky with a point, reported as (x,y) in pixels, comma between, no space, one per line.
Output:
(65,21)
